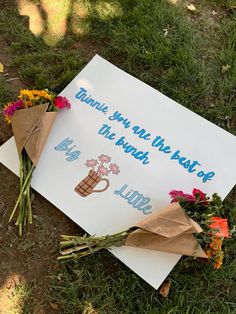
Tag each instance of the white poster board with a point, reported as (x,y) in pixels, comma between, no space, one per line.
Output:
(144,145)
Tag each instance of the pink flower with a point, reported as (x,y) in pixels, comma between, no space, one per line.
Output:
(62,102)
(91,163)
(102,171)
(114,168)
(10,108)
(181,196)
(104,158)
(197,192)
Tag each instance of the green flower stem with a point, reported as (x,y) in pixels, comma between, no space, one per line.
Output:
(21,215)
(29,196)
(22,171)
(23,188)
(77,247)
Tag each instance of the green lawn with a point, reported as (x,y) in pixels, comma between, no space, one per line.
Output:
(188,56)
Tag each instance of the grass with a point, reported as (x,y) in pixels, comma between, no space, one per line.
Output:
(4,91)
(180,53)
(105,284)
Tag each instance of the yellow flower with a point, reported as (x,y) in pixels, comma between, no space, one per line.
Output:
(215,253)
(219,260)
(34,95)
(27,104)
(26,93)
(5,113)
(41,94)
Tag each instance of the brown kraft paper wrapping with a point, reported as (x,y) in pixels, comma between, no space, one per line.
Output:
(168,230)
(31,127)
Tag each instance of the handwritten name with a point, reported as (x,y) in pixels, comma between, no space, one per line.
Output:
(89,100)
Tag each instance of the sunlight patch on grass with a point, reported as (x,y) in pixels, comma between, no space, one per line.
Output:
(79,22)
(13,294)
(108,9)
(57,14)
(89,309)
(36,22)
(173,1)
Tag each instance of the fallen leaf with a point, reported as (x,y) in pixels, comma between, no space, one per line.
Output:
(165,288)
(165,31)
(54,306)
(1,68)
(225,68)
(191,7)
(173,1)
(12,79)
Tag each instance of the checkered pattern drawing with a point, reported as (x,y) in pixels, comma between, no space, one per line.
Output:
(100,167)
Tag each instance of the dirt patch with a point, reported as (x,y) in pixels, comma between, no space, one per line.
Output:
(33,258)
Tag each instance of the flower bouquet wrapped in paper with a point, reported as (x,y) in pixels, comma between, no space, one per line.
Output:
(193,225)
(31,118)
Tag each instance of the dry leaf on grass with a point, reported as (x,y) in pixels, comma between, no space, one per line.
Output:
(225,68)
(54,306)
(173,1)
(191,7)
(165,288)
(1,68)
(165,31)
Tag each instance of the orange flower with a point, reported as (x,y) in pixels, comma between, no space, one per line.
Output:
(221,226)
(216,244)
(219,260)
(215,253)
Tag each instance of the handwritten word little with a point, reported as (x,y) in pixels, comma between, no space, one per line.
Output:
(87,99)
(64,146)
(135,199)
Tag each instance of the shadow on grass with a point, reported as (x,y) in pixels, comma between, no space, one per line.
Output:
(50,42)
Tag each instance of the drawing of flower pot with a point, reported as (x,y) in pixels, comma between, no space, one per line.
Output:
(87,185)
(100,167)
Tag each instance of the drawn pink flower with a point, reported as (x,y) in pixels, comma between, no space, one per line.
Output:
(91,163)
(114,168)
(104,158)
(102,171)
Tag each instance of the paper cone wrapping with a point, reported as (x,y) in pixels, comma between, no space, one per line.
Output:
(31,127)
(169,230)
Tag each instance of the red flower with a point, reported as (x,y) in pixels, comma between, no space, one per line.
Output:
(197,192)
(181,196)
(62,102)
(221,226)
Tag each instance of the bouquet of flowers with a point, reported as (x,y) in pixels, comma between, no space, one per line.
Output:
(31,118)
(193,225)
